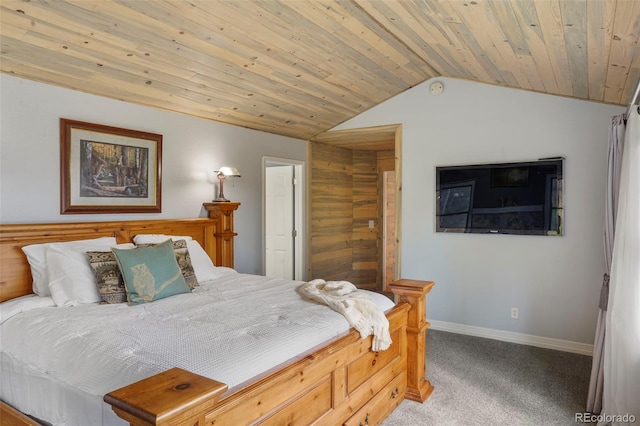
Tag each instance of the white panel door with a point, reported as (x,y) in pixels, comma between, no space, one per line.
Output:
(279,222)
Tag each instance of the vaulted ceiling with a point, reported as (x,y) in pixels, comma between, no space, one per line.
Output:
(300,67)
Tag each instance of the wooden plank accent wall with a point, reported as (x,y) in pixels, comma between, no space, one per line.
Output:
(365,208)
(346,193)
(331,212)
(386,160)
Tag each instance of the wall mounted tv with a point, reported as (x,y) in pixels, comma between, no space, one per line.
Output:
(507,198)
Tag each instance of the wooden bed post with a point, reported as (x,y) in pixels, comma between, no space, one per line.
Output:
(414,292)
(172,397)
(222,214)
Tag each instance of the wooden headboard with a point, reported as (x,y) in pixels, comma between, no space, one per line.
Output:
(15,274)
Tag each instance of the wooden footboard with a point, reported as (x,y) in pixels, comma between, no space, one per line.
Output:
(342,383)
(9,416)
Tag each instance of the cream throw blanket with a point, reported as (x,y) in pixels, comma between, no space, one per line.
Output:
(358,308)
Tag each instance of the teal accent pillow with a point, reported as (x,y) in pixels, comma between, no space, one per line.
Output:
(150,273)
(184,261)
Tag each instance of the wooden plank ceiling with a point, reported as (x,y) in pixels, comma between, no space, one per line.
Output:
(299,68)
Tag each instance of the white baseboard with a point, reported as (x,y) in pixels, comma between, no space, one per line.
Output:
(510,336)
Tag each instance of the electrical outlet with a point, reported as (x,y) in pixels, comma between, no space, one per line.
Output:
(514,313)
(371,224)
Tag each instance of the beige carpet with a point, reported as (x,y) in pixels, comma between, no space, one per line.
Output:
(488,382)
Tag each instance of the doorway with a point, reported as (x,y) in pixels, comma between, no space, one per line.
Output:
(283,212)
(350,187)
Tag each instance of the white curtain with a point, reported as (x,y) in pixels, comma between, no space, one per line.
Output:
(621,394)
(614,164)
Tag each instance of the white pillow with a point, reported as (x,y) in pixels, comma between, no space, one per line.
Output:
(158,238)
(123,246)
(202,264)
(71,279)
(37,258)
(22,304)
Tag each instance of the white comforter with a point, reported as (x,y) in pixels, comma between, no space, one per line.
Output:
(57,363)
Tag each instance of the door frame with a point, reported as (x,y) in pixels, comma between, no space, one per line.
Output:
(300,204)
(384,232)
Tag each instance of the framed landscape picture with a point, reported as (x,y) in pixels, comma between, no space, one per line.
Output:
(107,169)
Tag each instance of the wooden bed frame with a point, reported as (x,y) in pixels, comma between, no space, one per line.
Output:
(343,382)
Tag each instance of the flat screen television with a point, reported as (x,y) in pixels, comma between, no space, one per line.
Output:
(506,198)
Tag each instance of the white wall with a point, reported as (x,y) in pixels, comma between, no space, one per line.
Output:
(192,149)
(554,281)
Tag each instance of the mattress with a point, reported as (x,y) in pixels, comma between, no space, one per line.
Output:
(57,363)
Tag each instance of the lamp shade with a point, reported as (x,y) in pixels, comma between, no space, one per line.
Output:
(228,171)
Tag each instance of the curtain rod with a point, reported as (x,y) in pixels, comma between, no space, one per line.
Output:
(633,98)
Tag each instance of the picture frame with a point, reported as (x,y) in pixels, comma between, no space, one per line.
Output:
(106,169)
